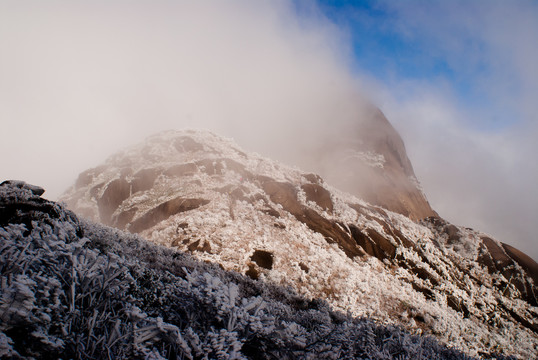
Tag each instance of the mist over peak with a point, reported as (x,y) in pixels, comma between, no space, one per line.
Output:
(200,193)
(82,80)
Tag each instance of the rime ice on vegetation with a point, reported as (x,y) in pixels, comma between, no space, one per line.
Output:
(207,197)
(76,289)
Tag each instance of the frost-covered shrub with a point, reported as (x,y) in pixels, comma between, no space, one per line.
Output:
(84,291)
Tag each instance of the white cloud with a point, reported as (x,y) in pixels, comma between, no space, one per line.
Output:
(80,80)
(476,161)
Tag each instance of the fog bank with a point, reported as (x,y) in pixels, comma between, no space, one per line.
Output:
(81,80)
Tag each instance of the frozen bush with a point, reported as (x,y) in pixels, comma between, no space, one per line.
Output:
(79,290)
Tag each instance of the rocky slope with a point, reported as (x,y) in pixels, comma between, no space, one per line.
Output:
(74,289)
(197,192)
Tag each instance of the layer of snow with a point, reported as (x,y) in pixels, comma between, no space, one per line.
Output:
(361,286)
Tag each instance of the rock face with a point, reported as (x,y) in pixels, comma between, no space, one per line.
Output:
(197,192)
(368,159)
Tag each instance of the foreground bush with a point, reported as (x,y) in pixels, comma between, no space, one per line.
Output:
(72,289)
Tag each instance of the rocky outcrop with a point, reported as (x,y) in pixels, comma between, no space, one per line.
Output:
(115,192)
(21,203)
(519,271)
(368,159)
(267,221)
(18,184)
(163,211)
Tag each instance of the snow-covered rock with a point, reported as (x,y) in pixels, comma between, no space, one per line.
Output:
(73,289)
(196,192)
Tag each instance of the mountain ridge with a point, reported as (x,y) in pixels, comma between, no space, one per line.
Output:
(368,159)
(76,289)
(197,192)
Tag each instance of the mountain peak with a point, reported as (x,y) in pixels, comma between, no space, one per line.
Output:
(197,192)
(368,158)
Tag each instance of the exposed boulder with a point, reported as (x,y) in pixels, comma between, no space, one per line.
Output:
(21,203)
(181,170)
(36,190)
(187,144)
(496,257)
(373,243)
(526,262)
(164,211)
(144,179)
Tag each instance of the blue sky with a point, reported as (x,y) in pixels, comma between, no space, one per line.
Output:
(389,45)
(380,49)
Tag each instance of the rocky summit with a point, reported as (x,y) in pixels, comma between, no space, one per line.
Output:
(200,193)
(367,158)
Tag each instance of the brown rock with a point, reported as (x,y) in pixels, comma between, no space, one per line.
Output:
(144,179)
(319,195)
(373,243)
(115,193)
(390,183)
(163,212)
(304,267)
(187,144)
(285,194)
(181,170)
(252,272)
(122,219)
(313,178)
(499,258)
(526,262)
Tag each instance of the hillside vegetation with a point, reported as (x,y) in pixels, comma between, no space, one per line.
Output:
(75,289)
